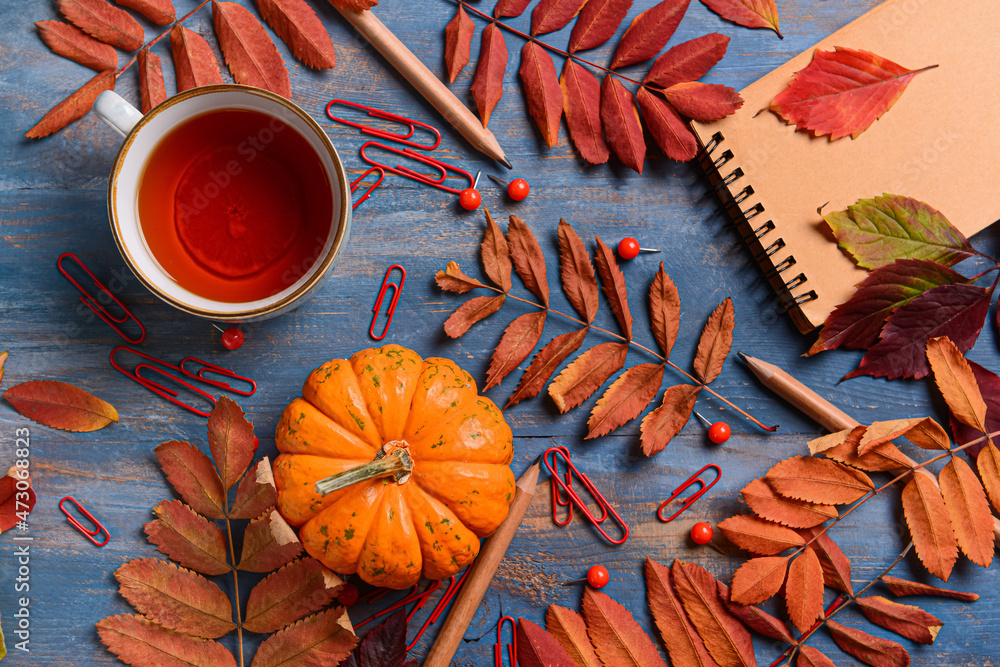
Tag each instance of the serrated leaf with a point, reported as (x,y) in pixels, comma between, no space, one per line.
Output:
(661,425)
(625,399)
(715,342)
(60,405)
(881,432)
(256,492)
(151,86)
(727,641)
(194,60)
(902,588)
(903,619)
(452,279)
(688,61)
(613,284)
(13,507)
(470,312)
(487,84)
(322,639)
(545,364)
(577,272)
(510,8)
(104,22)
(551,15)
(768,504)
(617,638)
(518,340)
(354,5)
(296,23)
(842,92)
(231,439)
(582,105)
(836,566)
(293,592)
(804,590)
(137,641)
(252,57)
(541,90)
(956,382)
(759,536)
(988,464)
(818,481)
(622,128)
(812,657)
(748,13)
(538,648)
(759,579)
(70,42)
(268,543)
(703,102)
(989,387)
(193,476)
(833,440)
(385,644)
(649,32)
(188,538)
(160,12)
(529,261)
(930,525)
(883,458)
(175,598)
(495,253)
(669,130)
(599,19)
(458,43)
(586,374)
(74,107)
(685,647)
(874,651)
(570,630)
(756,618)
(969,510)
(664,311)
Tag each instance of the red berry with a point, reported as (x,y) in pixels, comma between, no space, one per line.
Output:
(518,189)
(469,199)
(598,576)
(701,533)
(628,248)
(718,432)
(232,338)
(348,595)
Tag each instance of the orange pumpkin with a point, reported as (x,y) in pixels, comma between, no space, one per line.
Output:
(381,403)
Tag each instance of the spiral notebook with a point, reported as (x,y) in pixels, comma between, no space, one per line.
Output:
(940,143)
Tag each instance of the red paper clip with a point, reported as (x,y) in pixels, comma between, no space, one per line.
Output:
(557,500)
(89,534)
(371,188)
(693,479)
(449,595)
(396,289)
(382,134)
(416,595)
(511,648)
(99,310)
(434,181)
(574,497)
(208,367)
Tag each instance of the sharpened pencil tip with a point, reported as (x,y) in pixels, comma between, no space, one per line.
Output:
(505,162)
(743,357)
(538,459)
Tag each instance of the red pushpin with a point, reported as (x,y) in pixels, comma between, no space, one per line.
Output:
(517,189)
(469,198)
(717,432)
(232,338)
(597,577)
(348,595)
(701,533)
(628,248)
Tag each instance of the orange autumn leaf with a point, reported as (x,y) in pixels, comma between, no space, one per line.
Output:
(582,105)
(703,102)
(669,130)
(194,60)
(662,424)
(542,90)
(902,588)
(160,12)
(683,643)
(756,618)
(727,640)
(73,107)
(818,481)
(495,253)
(60,405)
(300,588)
(930,525)
(586,374)
(883,458)
(138,641)
(252,57)
(621,124)
(487,84)
(625,399)
(188,538)
(812,657)
(151,86)
(954,379)
(833,440)
(759,536)
(577,273)
(649,32)
(458,42)
(988,464)
(804,590)
(867,648)
(104,22)
(903,619)
(323,637)
(759,579)
(545,364)
(517,342)
(70,42)
(836,566)
(570,630)
(269,543)
(715,342)
(613,283)
(528,259)
(452,279)
(928,434)
(664,311)
(298,26)
(616,637)
(470,312)
(538,648)
(748,13)
(882,432)
(768,504)
(969,511)
(193,477)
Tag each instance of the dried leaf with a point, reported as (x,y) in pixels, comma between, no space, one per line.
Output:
(989,388)
(836,566)
(870,650)
(137,641)
(510,8)
(577,272)
(988,464)
(70,42)
(385,644)
(487,84)
(625,399)
(452,279)
(74,107)
(883,458)
(930,526)
(649,32)
(954,379)
(176,598)
(661,425)
(842,92)
(570,630)
(671,133)
(518,340)
(298,589)
(726,639)
(582,104)
(495,254)
(903,619)
(616,636)
(903,588)
(256,493)
(268,543)
(586,374)
(151,85)
(747,13)
(715,342)
(759,536)
(812,657)
(928,434)
(804,590)
(194,60)
(759,579)
(188,538)
(818,481)
(551,15)
(13,508)
(458,43)
(354,5)
(703,102)
(882,432)
(545,364)
(529,261)
(688,61)
(193,476)
(160,12)
(470,312)
(325,638)
(231,439)
(767,504)
(60,405)
(613,283)
(664,311)
(538,648)
(621,123)
(756,618)
(599,19)
(541,90)
(296,23)
(101,20)
(833,440)
(252,57)
(969,511)
(685,647)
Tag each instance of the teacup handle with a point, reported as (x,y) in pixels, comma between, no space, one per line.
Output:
(116,113)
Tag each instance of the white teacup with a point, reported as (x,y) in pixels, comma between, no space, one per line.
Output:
(142,134)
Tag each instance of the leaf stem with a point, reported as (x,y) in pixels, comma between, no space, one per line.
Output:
(132,62)
(236,584)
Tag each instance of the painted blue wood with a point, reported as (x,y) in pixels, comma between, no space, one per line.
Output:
(52,199)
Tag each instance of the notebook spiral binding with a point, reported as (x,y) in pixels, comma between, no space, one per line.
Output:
(755,236)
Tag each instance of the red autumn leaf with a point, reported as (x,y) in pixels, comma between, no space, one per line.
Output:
(599,19)
(768,504)
(470,312)
(747,13)
(452,279)
(625,399)
(930,526)
(685,647)
(256,492)
(298,589)
(616,636)
(703,102)
(688,61)
(969,511)
(804,590)
(495,253)
(13,509)
(353,5)
(487,84)
(727,640)
(812,657)
(621,123)
(175,598)
(252,57)
(671,133)
(842,92)
(664,311)
(542,90)
(193,476)
(510,8)
(586,374)
(989,387)
(518,340)
(137,641)
(551,15)
(529,261)
(458,42)
(613,283)
(582,104)
(650,31)
(325,638)
(903,588)
(268,543)
(759,536)
(296,23)
(188,538)
(545,364)
(661,425)
(715,342)
(70,42)
(538,648)
(903,619)
(160,12)
(231,440)
(194,60)
(570,630)
(756,618)
(577,273)
(759,579)
(151,85)
(957,384)
(818,481)
(956,311)
(836,566)
(101,20)
(60,405)
(874,651)
(73,107)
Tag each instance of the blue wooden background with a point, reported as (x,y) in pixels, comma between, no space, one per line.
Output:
(52,199)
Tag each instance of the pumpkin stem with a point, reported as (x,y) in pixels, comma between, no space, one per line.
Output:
(397,464)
